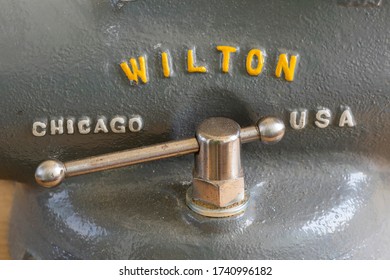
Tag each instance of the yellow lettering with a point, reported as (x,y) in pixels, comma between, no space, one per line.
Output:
(191,68)
(260,62)
(165,65)
(136,72)
(283,64)
(226,51)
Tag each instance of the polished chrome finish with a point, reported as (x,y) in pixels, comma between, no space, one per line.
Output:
(130,157)
(249,134)
(219,150)
(118,159)
(212,211)
(271,130)
(50,173)
(218,177)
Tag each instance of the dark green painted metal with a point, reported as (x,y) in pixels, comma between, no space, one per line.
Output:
(320,193)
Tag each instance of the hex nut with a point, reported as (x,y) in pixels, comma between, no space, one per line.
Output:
(222,193)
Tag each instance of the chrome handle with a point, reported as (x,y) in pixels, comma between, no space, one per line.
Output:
(51,173)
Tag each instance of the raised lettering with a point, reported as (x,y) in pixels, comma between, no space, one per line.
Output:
(101,126)
(84,126)
(302,120)
(165,61)
(287,68)
(135,71)
(70,126)
(57,127)
(347,118)
(136,123)
(191,68)
(226,51)
(39,129)
(323,118)
(250,59)
(118,128)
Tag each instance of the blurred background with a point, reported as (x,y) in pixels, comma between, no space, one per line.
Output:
(6,195)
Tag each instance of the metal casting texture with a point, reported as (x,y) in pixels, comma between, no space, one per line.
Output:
(72,69)
(319,193)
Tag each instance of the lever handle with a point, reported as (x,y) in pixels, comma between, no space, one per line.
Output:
(51,173)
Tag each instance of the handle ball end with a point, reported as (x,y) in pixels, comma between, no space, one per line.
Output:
(50,173)
(271,130)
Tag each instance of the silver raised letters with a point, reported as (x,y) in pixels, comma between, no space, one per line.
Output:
(70,126)
(323,118)
(86,125)
(136,123)
(295,124)
(101,126)
(57,127)
(39,129)
(347,118)
(117,125)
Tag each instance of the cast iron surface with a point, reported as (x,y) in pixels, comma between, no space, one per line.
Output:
(333,208)
(320,193)
(61,58)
